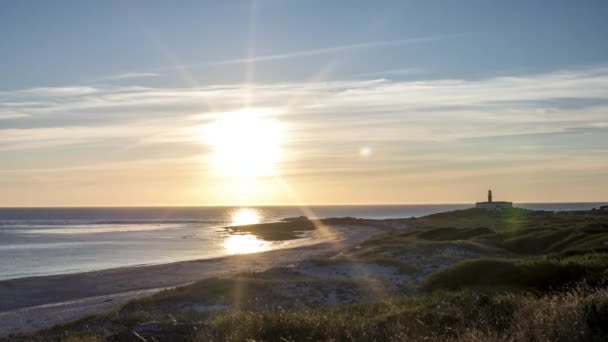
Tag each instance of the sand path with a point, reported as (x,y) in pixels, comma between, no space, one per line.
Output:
(27,304)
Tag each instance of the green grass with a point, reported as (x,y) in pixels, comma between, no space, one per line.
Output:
(448,234)
(538,273)
(516,230)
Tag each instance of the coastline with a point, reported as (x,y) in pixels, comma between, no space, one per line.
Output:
(27,304)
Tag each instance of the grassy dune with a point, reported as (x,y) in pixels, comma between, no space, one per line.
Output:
(512,275)
(537,273)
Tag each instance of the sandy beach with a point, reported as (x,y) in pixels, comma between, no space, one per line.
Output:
(27,304)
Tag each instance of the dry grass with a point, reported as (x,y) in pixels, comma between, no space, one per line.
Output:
(578,314)
(575,315)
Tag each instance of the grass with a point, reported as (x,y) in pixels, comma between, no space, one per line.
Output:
(246,292)
(578,313)
(538,273)
(516,230)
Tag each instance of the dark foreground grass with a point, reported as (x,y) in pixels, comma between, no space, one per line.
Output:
(575,314)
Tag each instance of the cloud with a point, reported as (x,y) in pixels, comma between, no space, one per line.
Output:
(11,115)
(108,140)
(53,91)
(502,99)
(340,112)
(391,72)
(328,50)
(130,75)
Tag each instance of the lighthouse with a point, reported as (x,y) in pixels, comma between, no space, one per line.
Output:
(491,205)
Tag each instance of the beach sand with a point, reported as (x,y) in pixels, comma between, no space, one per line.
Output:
(27,304)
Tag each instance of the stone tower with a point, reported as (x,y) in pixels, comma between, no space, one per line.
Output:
(489,196)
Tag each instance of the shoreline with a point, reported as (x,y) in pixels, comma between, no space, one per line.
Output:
(31,303)
(284,244)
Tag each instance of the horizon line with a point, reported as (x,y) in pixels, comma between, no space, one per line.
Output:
(278,205)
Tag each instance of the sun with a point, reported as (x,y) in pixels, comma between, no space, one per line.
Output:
(245,143)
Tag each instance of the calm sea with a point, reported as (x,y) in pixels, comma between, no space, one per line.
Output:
(45,241)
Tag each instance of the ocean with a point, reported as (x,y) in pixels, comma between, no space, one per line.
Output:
(48,241)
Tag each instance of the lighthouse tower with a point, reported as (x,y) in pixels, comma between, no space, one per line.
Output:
(491,205)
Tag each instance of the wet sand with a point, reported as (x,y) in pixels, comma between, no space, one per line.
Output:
(27,304)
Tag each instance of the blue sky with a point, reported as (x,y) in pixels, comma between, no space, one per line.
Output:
(66,42)
(107,102)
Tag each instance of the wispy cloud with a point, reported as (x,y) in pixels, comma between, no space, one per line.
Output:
(11,115)
(130,75)
(391,72)
(329,50)
(451,133)
(336,111)
(53,91)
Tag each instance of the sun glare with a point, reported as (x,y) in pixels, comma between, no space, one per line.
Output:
(244,216)
(245,143)
(243,244)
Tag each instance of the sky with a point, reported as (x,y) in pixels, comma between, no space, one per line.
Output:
(127,103)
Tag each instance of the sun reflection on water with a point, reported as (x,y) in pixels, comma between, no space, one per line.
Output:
(244,244)
(244,216)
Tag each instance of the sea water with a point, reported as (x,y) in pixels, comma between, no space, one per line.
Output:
(47,241)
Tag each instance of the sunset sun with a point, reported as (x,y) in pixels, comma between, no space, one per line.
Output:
(245,143)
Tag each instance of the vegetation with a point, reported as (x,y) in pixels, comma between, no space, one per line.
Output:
(509,275)
(285,229)
(541,273)
(579,313)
